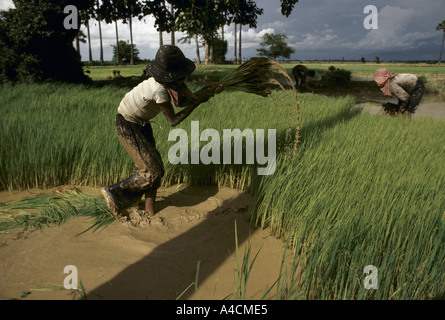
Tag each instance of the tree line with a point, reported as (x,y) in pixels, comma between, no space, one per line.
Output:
(200,20)
(35,46)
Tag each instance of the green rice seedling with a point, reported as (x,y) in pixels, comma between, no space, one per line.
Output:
(56,209)
(243,270)
(356,197)
(360,190)
(55,135)
(51,287)
(194,283)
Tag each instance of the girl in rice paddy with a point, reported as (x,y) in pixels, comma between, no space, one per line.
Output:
(164,88)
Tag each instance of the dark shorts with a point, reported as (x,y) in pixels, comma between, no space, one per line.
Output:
(416,95)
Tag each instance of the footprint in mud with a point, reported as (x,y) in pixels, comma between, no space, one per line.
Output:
(191,216)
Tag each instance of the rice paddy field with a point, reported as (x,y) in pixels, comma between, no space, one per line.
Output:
(362,74)
(434,74)
(359,190)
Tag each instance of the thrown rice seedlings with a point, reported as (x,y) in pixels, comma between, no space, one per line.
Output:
(258,76)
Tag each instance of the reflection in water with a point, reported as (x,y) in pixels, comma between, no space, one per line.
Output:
(431,105)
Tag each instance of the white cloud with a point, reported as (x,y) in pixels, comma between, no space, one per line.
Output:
(6,4)
(277,24)
(251,38)
(397,29)
(325,27)
(317,40)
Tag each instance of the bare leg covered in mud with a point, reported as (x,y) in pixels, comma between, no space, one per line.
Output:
(150,201)
(139,143)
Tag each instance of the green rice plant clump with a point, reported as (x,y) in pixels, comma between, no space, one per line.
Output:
(360,190)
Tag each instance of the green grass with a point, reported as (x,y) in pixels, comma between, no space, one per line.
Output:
(367,70)
(361,190)
(433,75)
(358,69)
(52,135)
(56,209)
(103,72)
(69,136)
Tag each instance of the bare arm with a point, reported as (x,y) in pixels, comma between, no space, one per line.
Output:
(174,119)
(398,91)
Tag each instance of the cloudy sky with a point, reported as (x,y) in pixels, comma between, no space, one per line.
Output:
(316,29)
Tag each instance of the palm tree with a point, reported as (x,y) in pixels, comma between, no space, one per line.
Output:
(198,58)
(161,40)
(240,60)
(130,22)
(441,26)
(97,15)
(85,16)
(172,11)
(235,59)
(133,9)
(245,15)
(90,54)
(117,43)
(109,11)
(101,58)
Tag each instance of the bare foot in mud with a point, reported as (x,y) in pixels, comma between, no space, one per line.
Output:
(108,199)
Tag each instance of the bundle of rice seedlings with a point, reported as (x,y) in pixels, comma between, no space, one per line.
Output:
(57,209)
(259,76)
(255,76)
(390,108)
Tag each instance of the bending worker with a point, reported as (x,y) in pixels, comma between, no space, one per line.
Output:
(406,87)
(300,73)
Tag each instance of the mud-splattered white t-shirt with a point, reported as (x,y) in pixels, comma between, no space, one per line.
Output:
(402,85)
(141,103)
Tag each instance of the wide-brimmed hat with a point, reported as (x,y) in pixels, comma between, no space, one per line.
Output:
(170,65)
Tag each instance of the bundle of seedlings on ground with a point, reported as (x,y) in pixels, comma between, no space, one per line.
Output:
(56,209)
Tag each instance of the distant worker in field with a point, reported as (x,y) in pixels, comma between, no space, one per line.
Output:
(406,87)
(300,72)
(164,87)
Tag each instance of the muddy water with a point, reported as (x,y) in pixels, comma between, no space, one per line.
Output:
(158,260)
(432,105)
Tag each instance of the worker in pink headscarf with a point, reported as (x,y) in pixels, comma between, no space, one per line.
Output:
(406,87)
